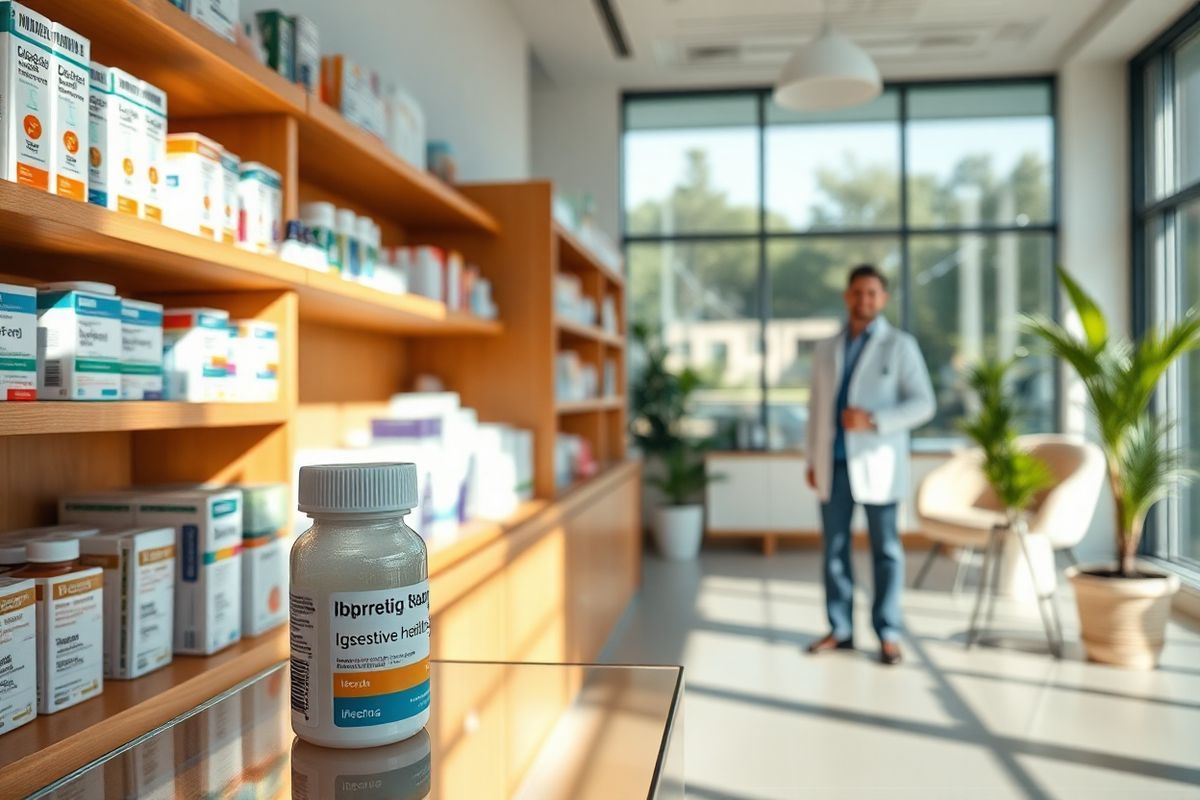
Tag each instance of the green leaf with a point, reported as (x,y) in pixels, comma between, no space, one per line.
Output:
(1095,327)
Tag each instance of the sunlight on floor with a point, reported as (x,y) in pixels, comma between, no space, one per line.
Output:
(762,720)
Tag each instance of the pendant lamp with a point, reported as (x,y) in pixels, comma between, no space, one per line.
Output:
(827,73)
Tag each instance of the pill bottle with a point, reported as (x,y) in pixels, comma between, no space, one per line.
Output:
(12,556)
(347,242)
(359,608)
(321,219)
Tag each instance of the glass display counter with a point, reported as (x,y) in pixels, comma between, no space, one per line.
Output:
(496,731)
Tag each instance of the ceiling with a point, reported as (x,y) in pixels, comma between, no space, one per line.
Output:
(679,43)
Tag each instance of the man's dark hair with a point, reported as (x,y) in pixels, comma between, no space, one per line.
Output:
(867,271)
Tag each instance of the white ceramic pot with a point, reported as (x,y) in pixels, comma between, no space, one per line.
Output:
(1123,621)
(678,531)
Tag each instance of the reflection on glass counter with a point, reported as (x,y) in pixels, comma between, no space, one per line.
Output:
(497,731)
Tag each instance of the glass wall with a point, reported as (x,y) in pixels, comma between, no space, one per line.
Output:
(1165,81)
(742,219)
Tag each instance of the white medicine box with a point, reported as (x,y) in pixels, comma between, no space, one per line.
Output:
(79,342)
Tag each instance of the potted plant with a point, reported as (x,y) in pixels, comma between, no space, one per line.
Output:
(675,464)
(1123,607)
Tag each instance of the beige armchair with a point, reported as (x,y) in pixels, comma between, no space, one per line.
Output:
(956,507)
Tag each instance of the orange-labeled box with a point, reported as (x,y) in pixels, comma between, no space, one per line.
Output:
(69,114)
(26,53)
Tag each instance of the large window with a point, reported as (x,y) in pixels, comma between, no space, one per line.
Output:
(741,220)
(1166,253)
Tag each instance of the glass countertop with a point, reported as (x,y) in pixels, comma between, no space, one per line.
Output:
(496,731)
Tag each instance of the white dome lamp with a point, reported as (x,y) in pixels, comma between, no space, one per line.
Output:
(827,73)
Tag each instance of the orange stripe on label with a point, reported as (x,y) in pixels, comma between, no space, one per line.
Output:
(17,601)
(384,681)
(153,213)
(69,187)
(127,205)
(32,176)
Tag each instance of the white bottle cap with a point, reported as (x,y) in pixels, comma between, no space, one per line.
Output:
(318,215)
(92,287)
(346,221)
(358,488)
(49,551)
(362,229)
(12,553)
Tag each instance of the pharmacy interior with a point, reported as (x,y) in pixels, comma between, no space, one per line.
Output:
(243,296)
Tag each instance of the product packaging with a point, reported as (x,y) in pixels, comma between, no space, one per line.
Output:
(69,115)
(265,548)
(18,652)
(154,105)
(122,163)
(18,342)
(195,185)
(208,564)
(221,16)
(79,342)
(99,93)
(26,48)
(195,354)
(112,510)
(141,350)
(321,219)
(70,601)
(231,167)
(139,597)
(405,127)
(279,35)
(260,193)
(307,53)
(253,361)
(347,87)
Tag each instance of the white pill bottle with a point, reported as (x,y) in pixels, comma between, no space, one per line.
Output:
(359,608)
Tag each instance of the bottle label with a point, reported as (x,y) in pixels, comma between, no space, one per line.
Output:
(378,667)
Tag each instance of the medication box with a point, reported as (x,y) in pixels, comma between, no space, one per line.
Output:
(18,342)
(99,92)
(265,549)
(120,166)
(253,361)
(141,350)
(208,563)
(195,185)
(79,342)
(260,193)
(195,354)
(221,16)
(347,87)
(154,114)
(26,48)
(18,652)
(307,57)
(231,168)
(279,40)
(69,114)
(139,597)
(106,509)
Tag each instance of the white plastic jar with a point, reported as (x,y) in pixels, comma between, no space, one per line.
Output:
(359,608)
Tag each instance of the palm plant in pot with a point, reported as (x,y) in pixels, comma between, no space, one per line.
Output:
(1123,607)
(675,463)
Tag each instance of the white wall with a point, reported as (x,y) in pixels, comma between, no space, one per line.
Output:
(576,136)
(1094,224)
(466,62)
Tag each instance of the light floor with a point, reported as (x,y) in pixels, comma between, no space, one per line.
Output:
(764,720)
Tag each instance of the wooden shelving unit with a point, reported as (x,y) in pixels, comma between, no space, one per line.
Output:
(586,406)
(569,328)
(345,349)
(575,256)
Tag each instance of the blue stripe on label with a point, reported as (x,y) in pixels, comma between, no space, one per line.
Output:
(20,303)
(361,712)
(140,316)
(98,198)
(190,564)
(262,177)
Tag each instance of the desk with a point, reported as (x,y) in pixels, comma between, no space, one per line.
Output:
(497,730)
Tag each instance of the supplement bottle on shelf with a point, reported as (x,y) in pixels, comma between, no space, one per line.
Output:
(359,608)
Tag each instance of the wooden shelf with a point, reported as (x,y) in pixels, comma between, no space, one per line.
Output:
(84,417)
(588,332)
(573,253)
(51,746)
(143,257)
(364,170)
(585,406)
(202,74)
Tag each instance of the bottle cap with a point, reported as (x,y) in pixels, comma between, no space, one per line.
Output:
(12,553)
(319,214)
(358,488)
(346,221)
(49,551)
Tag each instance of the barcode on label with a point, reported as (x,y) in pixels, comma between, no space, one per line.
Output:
(300,687)
(53,374)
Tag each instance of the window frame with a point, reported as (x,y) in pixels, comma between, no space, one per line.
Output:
(1153,293)
(902,231)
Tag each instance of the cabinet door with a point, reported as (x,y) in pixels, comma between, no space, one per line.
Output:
(793,505)
(738,501)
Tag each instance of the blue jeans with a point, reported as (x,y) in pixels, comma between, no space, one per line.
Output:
(887,562)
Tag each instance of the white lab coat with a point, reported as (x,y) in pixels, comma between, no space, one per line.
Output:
(891,381)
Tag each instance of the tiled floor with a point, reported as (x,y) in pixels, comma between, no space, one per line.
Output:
(764,720)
